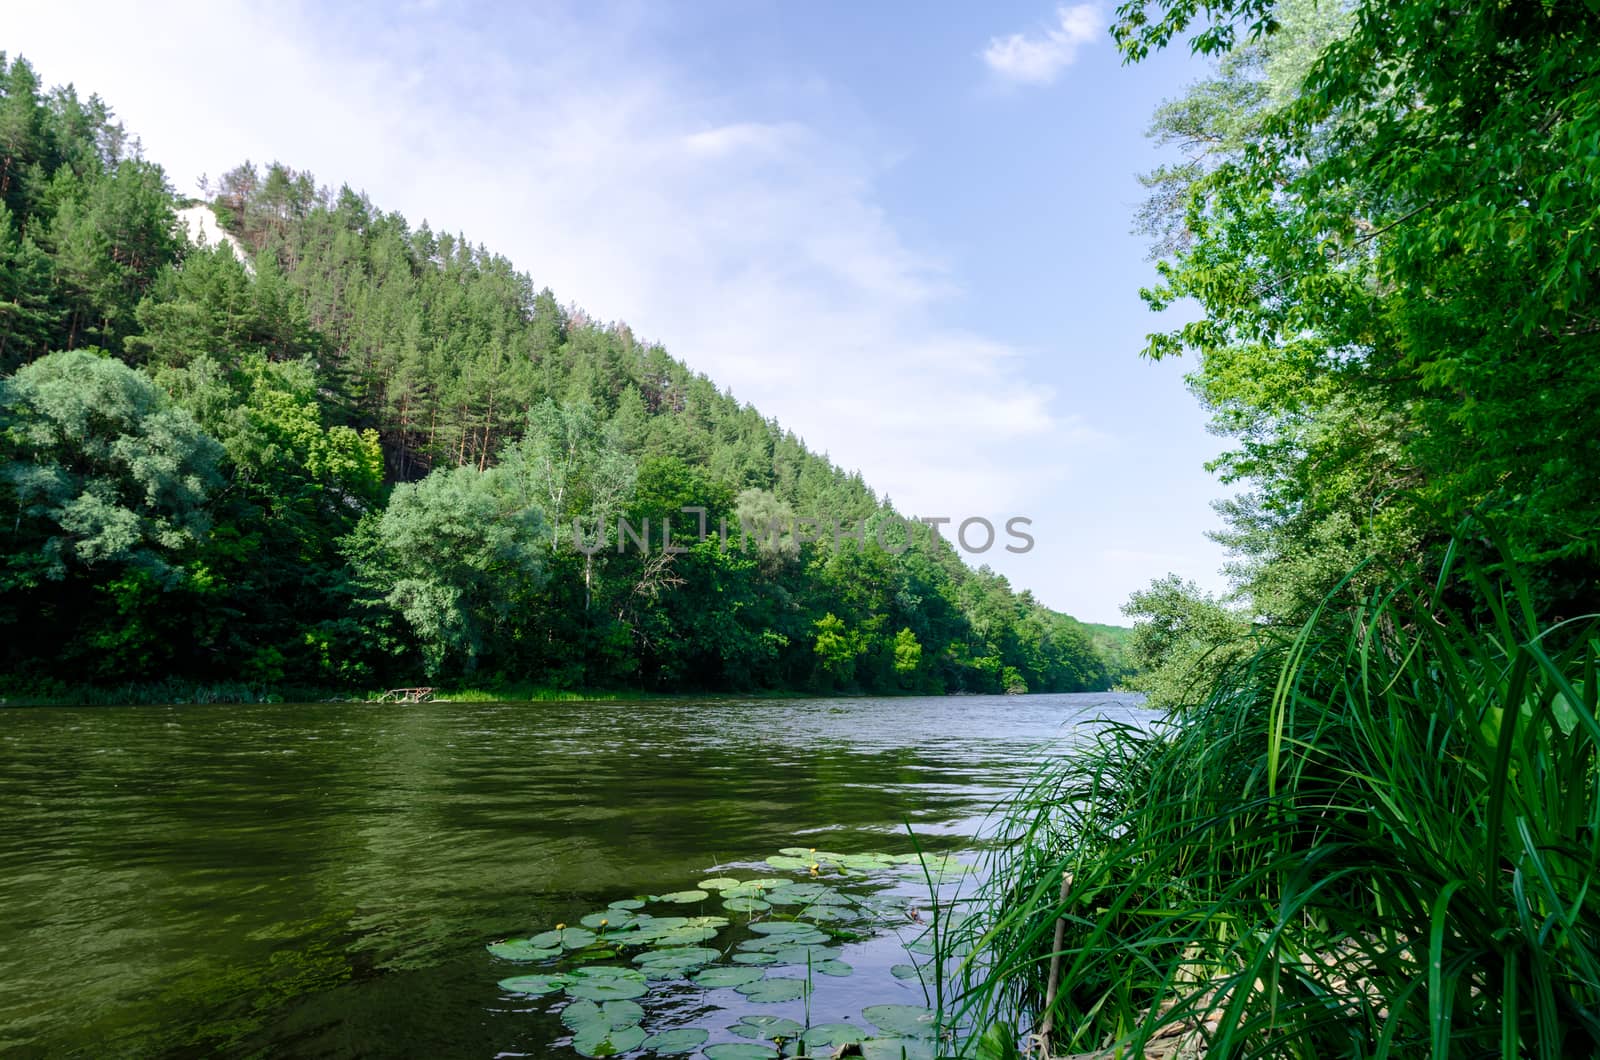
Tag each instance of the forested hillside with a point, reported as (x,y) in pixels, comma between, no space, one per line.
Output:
(355,460)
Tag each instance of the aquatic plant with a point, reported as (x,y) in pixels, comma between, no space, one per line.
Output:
(1377,836)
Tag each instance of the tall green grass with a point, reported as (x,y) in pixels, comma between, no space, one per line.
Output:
(1378,836)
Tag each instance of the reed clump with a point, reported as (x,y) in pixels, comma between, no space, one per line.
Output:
(1378,835)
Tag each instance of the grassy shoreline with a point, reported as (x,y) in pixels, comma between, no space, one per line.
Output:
(1377,836)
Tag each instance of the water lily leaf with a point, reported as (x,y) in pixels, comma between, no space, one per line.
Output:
(718,883)
(714,978)
(802,954)
(788,862)
(691,955)
(775,988)
(831,967)
(682,1040)
(683,936)
(766,1028)
(897,1049)
(745,905)
(830,914)
(613,921)
(807,889)
(740,1051)
(904,1020)
(755,957)
(567,938)
(606,983)
(833,1035)
(683,897)
(523,950)
(534,985)
(905,971)
(797,852)
(605,971)
(865,862)
(604,1041)
(780,927)
(707,921)
(785,896)
(606,989)
(628,903)
(613,1015)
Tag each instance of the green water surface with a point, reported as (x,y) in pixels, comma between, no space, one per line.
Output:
(321,880)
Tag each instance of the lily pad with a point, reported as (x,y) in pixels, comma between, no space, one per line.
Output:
(903,1020)
(785,896)
(682,1040)
(775,988)
(703,954)
(766,1028)
(607,983)
(829,914)
(797,852)
(746,905)
(788,862)
(897,1049)
(566,938)
(683,897)
(534,985)
(755,957)
(905,971)
(714,978)
(612,921)
(613,1015)
(604,1041)
(740,1051)
(628,903)
(802,954)
(718,883)
(780,927)
(831,967)
(833,1035)
(682,936)
(523,950)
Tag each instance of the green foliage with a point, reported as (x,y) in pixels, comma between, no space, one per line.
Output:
(455,553)
(100,471)
(1182,640)
(1373,837)
(1387,216)
(396,432)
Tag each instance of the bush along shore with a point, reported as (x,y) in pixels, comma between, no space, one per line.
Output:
(1377,836)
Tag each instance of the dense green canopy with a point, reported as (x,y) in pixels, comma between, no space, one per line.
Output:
(354,455)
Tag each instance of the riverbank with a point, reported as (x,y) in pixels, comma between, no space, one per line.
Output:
(1375,832)
(186,693)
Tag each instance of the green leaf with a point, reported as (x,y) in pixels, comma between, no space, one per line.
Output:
(714,978)
(740,1051)
(833,1035)
(522,950)
(766,1027)
(604,1041)
(774,989)
(681,1040)
(905,1020)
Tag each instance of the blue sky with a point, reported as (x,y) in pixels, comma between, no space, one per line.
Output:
(902,229)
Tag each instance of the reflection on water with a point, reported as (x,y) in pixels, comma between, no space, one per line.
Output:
(320,880)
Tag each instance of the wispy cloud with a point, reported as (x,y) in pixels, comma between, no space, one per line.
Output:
(1036,58)
(754,245)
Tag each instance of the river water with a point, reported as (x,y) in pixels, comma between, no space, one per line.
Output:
(321,880)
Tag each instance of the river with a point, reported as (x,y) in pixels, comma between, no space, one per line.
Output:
(322,880)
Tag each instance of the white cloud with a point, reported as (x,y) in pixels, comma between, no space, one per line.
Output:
(753,247)
(1036,59)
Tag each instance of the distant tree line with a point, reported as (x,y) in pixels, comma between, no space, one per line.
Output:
(340,463)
